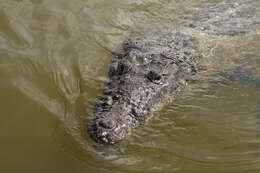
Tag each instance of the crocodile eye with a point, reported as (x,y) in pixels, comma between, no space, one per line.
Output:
(112,71)
(154,77)
(123,68)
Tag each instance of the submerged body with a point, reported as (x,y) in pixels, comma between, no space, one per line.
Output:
(147,68)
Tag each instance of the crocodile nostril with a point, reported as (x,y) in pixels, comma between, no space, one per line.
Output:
(107,123)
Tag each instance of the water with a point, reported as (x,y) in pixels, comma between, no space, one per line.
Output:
(54,58)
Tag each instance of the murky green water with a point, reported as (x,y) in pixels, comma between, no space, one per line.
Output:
(54,58)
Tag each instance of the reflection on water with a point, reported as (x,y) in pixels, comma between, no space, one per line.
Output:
(53,63)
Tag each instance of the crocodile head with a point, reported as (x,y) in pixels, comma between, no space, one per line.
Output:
(140,76)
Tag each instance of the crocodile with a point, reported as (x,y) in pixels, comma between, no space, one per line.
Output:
(148,68)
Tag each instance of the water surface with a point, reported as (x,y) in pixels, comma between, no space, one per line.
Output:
(54,58)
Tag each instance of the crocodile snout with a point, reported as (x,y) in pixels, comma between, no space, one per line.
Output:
(106,130)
